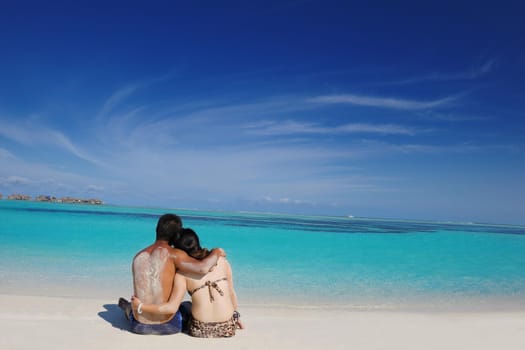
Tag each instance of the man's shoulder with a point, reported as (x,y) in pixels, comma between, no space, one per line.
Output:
(145,250)
(151,249)
(166,249)
(176,252)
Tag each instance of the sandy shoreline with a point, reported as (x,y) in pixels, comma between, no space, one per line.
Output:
(30,322)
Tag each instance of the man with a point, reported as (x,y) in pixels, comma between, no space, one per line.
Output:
(154,269)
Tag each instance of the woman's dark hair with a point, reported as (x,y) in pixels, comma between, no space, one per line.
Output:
(189,242)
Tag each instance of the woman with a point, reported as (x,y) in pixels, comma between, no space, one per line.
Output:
(214,302)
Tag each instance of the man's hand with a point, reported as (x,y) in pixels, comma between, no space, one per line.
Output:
(219,251)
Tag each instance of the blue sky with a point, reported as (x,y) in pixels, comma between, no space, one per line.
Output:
(386,109)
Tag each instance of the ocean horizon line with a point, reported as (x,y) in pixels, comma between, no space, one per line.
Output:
(339,216)
(281,213)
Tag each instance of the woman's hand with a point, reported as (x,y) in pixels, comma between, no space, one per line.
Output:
(135,302)
(237,319)
(239,324)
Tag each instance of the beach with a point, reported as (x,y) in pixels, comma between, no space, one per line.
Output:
(329,283)
(32,322)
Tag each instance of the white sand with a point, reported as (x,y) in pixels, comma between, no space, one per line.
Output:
(28,322)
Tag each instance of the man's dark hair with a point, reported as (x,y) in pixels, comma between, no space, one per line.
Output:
(168,227)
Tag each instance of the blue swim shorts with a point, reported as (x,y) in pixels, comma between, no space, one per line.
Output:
(171,327)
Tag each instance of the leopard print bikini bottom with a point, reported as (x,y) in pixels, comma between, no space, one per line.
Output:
(212,329)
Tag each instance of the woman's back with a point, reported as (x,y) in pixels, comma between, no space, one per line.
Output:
(213,296)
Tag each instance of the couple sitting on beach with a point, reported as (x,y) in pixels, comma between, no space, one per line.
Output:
(165,270)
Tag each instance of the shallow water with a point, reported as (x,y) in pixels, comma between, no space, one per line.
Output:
(65,249)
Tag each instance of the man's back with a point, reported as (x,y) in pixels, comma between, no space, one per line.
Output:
(153,275)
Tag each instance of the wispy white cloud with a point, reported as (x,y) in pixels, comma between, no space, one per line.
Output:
(14,181)
(116,98)
(475,72)
(451,116)
(370,148)
(485,68)
(123,93)
(40,177)
(376,129)
(65,143)
(31,134)
(95,188)
(189,124)
(6,154)
(382,102)
(285,200)
(295,127)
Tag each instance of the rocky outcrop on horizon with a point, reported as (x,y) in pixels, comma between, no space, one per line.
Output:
(76,200)
(19,197)
(53,199)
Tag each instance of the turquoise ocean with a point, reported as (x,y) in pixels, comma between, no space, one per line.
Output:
(71,250)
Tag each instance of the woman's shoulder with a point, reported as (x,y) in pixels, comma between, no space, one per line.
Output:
(223,262)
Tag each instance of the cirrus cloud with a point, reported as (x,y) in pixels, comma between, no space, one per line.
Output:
(381,102)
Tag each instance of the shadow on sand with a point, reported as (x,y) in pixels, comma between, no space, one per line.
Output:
(114,316)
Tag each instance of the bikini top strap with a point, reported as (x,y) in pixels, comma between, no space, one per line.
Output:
(210,285)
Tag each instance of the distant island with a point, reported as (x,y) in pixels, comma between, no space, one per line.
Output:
(53,199)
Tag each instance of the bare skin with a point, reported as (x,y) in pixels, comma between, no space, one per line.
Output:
(154,270)
(203,309)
